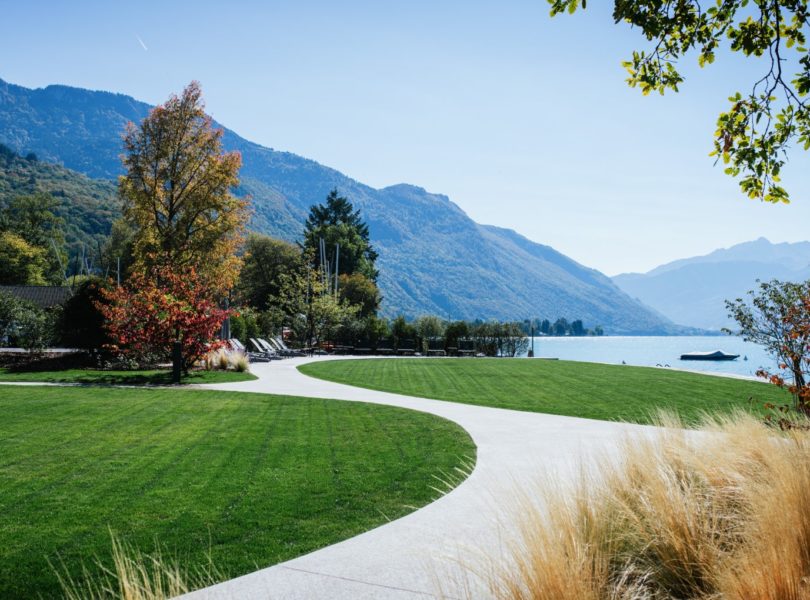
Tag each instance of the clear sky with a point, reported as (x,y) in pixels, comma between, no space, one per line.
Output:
(524,121)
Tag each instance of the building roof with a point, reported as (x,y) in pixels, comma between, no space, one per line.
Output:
(43,296)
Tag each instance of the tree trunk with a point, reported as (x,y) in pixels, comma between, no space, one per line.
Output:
(177,361)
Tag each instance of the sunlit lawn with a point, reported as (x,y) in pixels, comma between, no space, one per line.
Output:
(595,391)
(255,479)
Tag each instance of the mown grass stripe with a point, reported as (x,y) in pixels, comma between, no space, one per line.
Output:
(248,478)
(590,390)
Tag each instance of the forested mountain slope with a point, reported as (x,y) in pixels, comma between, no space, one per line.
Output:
(433,257)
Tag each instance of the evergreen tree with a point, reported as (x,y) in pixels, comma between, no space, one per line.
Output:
(339,225)
(560,327)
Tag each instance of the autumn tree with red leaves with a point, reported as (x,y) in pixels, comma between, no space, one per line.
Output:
(797,352)
(154,309)
(187,226)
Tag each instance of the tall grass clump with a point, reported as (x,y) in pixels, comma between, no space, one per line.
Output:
(720,513)
(135,575)
(224,360)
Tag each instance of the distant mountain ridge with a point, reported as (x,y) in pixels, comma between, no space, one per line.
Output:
(693,291)
(433,257)
(793,256)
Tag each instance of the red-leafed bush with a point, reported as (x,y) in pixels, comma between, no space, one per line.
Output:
(796,355)
(151,311)
(778,318)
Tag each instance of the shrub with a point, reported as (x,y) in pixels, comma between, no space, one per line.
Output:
(37,327)
(27,325)
(10,309)
(245,324)
(82,323)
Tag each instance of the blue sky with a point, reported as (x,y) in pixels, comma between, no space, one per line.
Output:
(522,120)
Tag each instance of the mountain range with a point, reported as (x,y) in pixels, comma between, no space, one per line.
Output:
(433,259)
(693,291)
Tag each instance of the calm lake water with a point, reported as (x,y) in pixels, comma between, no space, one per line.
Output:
(649,351)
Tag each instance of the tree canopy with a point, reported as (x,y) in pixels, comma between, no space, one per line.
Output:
(21,263)
(754,135)
(267,264)
(359,290)
(778,318)
(33,240)
(339,224)
(177,191)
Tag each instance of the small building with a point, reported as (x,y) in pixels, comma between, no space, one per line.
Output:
(43,296)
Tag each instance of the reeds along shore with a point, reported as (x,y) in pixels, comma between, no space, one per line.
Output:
(721,515)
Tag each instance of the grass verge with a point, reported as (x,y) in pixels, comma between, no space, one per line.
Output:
(245,480)
(99,377)
(590,390)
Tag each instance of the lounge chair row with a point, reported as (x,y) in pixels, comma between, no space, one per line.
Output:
(406,347)
(263,350)
(277,344)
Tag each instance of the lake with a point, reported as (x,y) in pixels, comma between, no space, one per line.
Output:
(650,351)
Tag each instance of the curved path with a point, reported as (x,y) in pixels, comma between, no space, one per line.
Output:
(423,554)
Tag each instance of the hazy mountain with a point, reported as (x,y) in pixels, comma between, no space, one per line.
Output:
(693,291)
(433,257)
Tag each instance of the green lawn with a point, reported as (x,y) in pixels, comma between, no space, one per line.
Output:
(95,376)
(256,479)
(595,391)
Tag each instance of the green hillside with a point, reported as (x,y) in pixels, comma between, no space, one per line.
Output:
(88,206)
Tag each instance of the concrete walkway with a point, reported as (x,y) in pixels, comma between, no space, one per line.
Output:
(423,555)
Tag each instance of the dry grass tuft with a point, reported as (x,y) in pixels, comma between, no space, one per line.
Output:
(136,576)
(224,360)
(240,363)
(721,513)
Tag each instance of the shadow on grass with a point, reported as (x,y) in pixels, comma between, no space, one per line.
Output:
(77,369)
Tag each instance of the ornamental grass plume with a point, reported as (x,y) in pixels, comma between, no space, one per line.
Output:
(240,362)
(136,576)
(720,513)
(223,360)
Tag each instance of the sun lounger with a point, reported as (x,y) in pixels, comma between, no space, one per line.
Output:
(286,350)
(235,344)
(262,350)
(363,347)
(407,348)
(466,348)
(272,346)
(436,347)
(385,347)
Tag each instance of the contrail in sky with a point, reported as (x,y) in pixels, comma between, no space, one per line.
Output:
(141,42)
